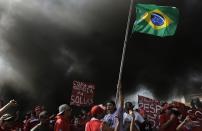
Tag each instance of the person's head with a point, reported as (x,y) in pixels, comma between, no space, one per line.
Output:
(65,110)
(128,106)
(97,112)
(166,109)
(27,115)
(110,106)
(43,117)
(32,114)
(37,110)
(83,112)
(196,103)
(7,121)
(175,111)
(76,121)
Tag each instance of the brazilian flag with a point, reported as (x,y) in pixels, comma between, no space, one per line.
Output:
(156,20)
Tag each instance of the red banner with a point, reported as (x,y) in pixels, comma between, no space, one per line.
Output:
(151,109)
(82,94)
(196,117)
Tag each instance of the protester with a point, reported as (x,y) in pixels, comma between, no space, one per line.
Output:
(128,116)
(111,117)
(196,103)
(96,124)
(147,124)
(52,121)
(34,119)
(11,103)
(6,122)
(184,126)
(133,126)
(63,118)
(168,119)
(111,113)
(17,123)
(84,118)
(27,117)
(44,123)
(115,112)
(77,126)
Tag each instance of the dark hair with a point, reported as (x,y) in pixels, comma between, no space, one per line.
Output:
(43,114)
(175,112)
(196,102)
(129,105)
(111,102)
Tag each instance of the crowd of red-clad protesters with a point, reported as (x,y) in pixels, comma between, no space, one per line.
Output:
(107,117)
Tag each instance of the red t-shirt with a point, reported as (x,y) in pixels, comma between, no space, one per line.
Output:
(17,126)
(61,124)
(93,125)
(172,127)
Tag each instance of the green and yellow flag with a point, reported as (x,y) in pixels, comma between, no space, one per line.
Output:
(156,20)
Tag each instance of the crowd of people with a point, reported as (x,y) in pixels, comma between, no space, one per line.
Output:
(111,116)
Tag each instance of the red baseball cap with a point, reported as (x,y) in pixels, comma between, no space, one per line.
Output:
(95,110)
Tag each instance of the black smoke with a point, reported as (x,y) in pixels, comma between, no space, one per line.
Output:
(46,44)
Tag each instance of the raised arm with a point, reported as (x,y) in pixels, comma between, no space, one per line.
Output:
(168,122)
(11,103)
(180,126)
(133,124)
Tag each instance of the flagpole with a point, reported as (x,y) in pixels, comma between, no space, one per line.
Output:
(124,50)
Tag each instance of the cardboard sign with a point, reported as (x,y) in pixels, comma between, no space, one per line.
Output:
(82,94)
(151,109)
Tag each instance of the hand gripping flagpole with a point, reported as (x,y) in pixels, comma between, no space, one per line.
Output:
(123,53)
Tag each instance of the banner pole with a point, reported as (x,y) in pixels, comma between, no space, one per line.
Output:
(124,50)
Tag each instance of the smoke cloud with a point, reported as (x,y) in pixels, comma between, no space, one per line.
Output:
(45,44)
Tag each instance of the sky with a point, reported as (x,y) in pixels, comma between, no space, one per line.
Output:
(46,44)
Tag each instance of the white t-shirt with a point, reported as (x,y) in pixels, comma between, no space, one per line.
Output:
(127,118)
(111,119)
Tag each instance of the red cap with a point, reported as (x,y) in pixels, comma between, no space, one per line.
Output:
(95,110)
